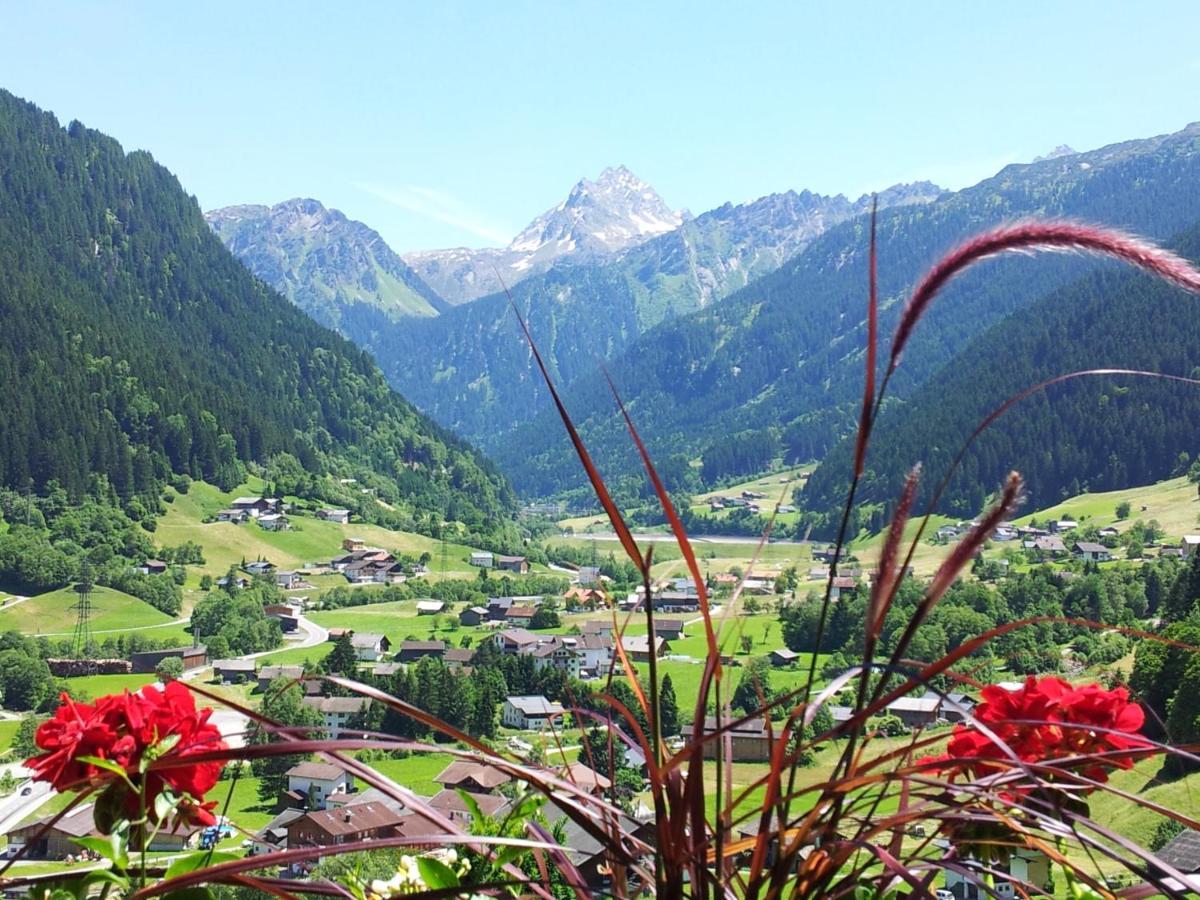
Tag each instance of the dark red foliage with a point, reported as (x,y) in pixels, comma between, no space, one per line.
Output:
(149,734)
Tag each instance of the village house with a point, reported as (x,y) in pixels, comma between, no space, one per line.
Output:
(429,607)
(147,661)
(472,777)
(267,674)
(233,671)
(1024,866)
(1189,544)
(153,567)
(274,522)
(344,825)
(351,544)
(588,575)
(359,554)
(256,507)
(259,568)
(589,598)
(411,651)
(515,640)
(313,783)
(1091,552)
(287,615)
(458,657)
(916,712)
(369,647)
(597,627)
(595,654)
(637,647)
(784,657)
(556,653)
(236,516)
(1108,532)
(239,582)
(520,616)
(676,602)
(956,707)
(530,713)
(670,629)
(839,584)
(586,778)
(290,581)
(272,837)
(481,559)
(1063,525)
(49,839)
(451,805)
(750,740)
(337,516)
(1051,544)
(518,564)
(336,712)
(473,615)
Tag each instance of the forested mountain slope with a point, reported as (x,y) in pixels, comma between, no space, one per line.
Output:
(776,369)
(1093,434)
(136,346)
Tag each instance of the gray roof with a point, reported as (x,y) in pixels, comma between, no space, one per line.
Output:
(536,706)
(1183,852)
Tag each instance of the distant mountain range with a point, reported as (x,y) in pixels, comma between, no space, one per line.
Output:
(598,218)
(326,264)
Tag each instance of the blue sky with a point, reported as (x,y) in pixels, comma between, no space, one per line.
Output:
(448,124)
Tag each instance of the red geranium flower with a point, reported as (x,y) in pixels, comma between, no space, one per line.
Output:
(1047,720)
(146,734)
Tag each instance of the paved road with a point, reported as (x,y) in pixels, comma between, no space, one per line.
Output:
(656,538)
(16,807)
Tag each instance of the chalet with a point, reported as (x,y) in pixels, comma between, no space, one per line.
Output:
(518,564)
(956,707)
(267,674)
(344,825)
(589,575)
(473,615)
(148,660)
(784,657)
(818,573)
(256,507)
(236,516)
(287,616)
(352,544)
(429,607)
(458,657)
(1004,533)
(472,777)
(274,522)
(1108,532)
(316,782)
(515,640)
(725,579)
(676,601)
(358,555)
(556,653)
(1024,866)
(290,581)
(481,559)
(637,647)
(530,713)
(1182,853)
(336,634)
(669,629)
(411,651)
(947,533)
(590,857)
(336,712)
(1029,532)
(916,712)
(46,838)
(272,837)
(1063,525)
(337,516)
(259,567)
(581,596)
(594,652)
(1051,544)
(520,615)
(586,778)
(369,647)
(758,586)
(597,627)
(839,584)
(1189,544)
(153,567)
(231,671)
(1091,552)
(750,740)
(240,582)
(451,805)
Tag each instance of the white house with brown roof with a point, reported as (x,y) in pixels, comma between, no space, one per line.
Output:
(315,782)
(472,777)
(337,711)
(530,713)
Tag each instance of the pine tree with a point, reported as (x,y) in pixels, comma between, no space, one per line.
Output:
(283,705)
(668,707)
(343,660)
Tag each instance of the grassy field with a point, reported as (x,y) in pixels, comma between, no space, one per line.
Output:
(309,540)
(51,614)
(1173,503)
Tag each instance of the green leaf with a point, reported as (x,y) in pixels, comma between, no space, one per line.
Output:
(164,805)
(183,864)
(437,874)
(198,892)
(472,806)
(106,764)
(101,846)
